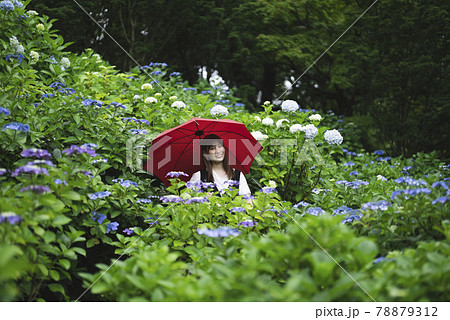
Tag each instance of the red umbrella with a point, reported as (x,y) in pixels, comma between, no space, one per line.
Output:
(178,149)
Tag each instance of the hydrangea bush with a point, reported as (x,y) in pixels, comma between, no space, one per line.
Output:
(74,197)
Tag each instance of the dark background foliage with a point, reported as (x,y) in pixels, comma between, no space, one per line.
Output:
(389,73)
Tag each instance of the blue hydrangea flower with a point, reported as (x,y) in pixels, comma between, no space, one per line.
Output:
(440,184)
(92,102)
(197,200)
(10,217)
(152,220)
(171,198)
(354,173)
(57,85)
(138,131)
(5,111)
(125,183)
(342,210)
(410,192)
(189,89)
(99,195)
(248,197)
(3,171)
(379,152)
(248,223)
(128,231)
(176,174)
(301,203)
(6,6)
(36,189)
(36,153)
(112,226)
(59,181)
(237,209)
(99,160)
(410,181)
(116,105)
(315,211)
(351,218)
(441,200)
(143,201)
(220,232)
(98,217)
(349,164)
(384,158)
(30,170)
(18,57)
(379,205)
(16,126)
(67,91)
(175,74)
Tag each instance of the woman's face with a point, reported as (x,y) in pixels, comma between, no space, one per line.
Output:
(215,152)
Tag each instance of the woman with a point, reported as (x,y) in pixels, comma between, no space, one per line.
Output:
(217,169)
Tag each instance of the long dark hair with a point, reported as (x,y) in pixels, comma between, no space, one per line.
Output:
(205,147)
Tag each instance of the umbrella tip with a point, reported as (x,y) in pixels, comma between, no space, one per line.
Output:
(199,133)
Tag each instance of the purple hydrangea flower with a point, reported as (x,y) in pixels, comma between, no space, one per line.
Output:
(354,173)
(268,190)
(16,126)
(30,170)
(98,217)
(383,158)
(3,171)
(349,164)
(237,209)
(441,200)
(10,217)
(379,205)
(410,192)
(90,145)
(128,231)
(315,211)
(5,111)
(74,149)
(18,57)
(379,152)
(36,189)
(197,200)
(112,226)
(152,220)
(87,173)
(220,232)
(171,198)
(40,162)
(351,218)
(36,153)
(232,183)
(57,85)
(248,223)
(99,195)
(248,197)
(176,174)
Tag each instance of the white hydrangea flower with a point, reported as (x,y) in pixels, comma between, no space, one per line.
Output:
(267,121)
(289,106)
(257,118)
(258,135)
(173,98)
(333,137)
(315,117)
(40,27)
(14,42)
(158,94)
(146,86)
(32,13)
(266,103)
(295,127)
(280,122)
(310,131)
(150,100)
(137,97)
(34,56)
(20,49)
(65,62)
(219,110)
(272,184)
(178,104)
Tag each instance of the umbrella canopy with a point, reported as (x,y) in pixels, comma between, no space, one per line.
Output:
(178,149)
